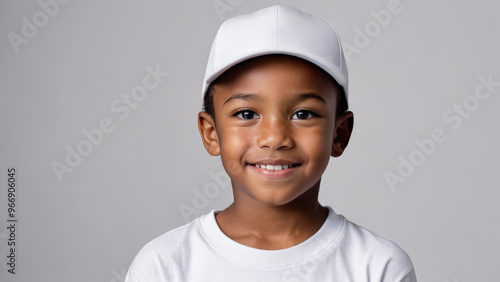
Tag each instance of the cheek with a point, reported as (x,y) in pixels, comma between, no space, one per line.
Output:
(233,145)
(233,140)
(317,139)
(318,145)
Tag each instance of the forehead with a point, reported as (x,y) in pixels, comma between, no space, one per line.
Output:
(260,69)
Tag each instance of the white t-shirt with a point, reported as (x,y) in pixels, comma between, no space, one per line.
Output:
(340,251)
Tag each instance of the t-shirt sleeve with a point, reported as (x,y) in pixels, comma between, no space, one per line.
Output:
(398,266)
(411,277)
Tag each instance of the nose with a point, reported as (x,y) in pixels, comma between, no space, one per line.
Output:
(274,134)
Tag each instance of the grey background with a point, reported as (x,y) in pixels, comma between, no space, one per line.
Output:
(127,191)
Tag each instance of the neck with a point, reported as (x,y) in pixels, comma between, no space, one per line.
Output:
(266,226)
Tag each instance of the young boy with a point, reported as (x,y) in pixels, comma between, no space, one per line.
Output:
(275,110)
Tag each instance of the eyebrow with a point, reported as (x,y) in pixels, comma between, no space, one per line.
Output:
(307,96)
(254,97)
(242,96)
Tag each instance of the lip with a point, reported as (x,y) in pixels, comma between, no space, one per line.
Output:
(274,174)
(274,162)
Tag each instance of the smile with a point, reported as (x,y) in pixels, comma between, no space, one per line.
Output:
(276,167)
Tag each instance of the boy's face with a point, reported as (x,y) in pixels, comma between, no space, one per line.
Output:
(275,127)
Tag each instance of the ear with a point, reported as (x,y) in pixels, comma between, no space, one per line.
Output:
(206,125)
(342,134)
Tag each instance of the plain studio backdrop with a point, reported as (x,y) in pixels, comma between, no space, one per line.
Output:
(98,117)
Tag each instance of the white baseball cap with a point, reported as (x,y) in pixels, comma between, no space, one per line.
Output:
(277,30)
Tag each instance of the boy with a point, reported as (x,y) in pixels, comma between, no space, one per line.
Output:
(275,110)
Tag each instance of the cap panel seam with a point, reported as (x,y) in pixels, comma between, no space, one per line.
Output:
(277,26)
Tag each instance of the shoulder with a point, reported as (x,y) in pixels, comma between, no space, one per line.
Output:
(170,240)
(160,258)
(371,241)
(382,256)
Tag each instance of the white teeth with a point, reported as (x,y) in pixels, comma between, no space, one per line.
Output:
(273,167)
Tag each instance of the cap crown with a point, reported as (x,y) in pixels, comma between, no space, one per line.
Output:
(277,30)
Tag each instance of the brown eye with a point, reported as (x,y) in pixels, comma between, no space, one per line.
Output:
(246,114)
(302,114)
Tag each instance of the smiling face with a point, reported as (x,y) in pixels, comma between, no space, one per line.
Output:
(275,127)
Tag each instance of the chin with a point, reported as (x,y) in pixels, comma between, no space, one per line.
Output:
(279,199)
